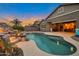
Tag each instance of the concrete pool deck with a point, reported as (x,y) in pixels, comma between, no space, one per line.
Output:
(30,49)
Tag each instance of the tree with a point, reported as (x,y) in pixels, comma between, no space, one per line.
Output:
(17,25)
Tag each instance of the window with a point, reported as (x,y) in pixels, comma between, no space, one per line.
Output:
(61,10)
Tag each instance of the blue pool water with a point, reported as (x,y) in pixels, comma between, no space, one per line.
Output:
(52,44)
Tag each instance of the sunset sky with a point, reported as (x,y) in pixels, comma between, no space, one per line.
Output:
(26,10)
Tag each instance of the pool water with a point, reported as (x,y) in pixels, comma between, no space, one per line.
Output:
(52,44)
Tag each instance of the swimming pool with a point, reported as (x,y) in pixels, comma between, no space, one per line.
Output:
(52,44)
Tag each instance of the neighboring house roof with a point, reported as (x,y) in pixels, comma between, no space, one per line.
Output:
(64,4)
(37,22)
(42,21)
(3,25)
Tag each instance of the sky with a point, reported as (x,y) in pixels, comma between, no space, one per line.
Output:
(26,10)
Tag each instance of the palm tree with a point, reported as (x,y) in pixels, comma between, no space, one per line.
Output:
(16,22)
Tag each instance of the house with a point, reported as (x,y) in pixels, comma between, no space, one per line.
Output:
(64,18)
(33,27)
(43,25)
(4,25)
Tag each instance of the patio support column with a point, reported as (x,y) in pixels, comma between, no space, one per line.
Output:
(59,26)
(63,28)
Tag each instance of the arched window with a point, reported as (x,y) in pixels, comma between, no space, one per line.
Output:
(61,10)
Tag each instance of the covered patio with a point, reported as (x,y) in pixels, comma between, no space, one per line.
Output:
(64,22)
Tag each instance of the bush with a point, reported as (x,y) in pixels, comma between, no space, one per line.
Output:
(18,27)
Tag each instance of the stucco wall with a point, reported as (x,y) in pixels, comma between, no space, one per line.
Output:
(43,25)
